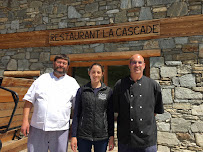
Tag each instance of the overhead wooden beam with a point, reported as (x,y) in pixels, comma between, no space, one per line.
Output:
(22,74)
(181,26)
(110,55)
(169,27)
(24,39)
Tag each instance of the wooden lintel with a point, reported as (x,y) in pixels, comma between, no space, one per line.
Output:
(110,55)
(104,63)
(22,74)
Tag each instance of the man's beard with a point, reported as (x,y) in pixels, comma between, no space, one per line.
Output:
(59,72)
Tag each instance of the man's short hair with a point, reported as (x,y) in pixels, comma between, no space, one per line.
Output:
(62,56)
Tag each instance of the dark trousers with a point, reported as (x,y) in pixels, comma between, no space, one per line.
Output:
(86,145)
(0,145)
(126,148)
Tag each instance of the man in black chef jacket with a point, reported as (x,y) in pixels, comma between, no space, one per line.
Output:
(137,100)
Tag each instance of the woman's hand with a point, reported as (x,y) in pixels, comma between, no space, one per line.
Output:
(111,143)
(74,144)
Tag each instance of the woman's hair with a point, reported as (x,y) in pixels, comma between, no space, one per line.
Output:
(62,56)
(90,68)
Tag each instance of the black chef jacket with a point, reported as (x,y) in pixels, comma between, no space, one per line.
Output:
(136,103)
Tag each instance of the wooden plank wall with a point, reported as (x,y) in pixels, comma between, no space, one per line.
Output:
(20,86)
(15,146)
(169,27)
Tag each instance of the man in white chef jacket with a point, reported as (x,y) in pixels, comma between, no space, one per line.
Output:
(52,96)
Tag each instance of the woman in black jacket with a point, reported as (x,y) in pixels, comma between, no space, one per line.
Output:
(93,120)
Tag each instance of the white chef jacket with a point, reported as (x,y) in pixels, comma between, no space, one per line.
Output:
(52,99)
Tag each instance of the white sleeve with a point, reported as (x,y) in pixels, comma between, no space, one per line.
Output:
(31,93)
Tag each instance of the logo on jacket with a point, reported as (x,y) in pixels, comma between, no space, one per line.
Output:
(102,96)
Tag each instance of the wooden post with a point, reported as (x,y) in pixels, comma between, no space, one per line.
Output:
(147,67)
(106,75)
(70,71)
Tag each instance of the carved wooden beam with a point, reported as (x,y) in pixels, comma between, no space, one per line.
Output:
(161,28)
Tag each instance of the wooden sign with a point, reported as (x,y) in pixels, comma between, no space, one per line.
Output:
(130,31)
(114,33)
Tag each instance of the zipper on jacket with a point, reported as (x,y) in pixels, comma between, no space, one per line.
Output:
(81,121)
(95,95)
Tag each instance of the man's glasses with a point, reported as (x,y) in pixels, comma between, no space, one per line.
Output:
(135,62)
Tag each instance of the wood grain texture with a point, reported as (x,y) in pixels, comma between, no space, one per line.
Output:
(22,74)
(169,27)
(18,90)
(24,39)
(10,105)
(114,33)
(110,55)
(20,86)
(182,26)
(8,135)
(8,98)
(15,146)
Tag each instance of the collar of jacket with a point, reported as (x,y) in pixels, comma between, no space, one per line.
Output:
(89,86)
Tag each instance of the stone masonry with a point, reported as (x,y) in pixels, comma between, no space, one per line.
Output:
(179,69)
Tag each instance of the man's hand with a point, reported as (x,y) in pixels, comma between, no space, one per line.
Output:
(111,143)
(74,144)
(25,128)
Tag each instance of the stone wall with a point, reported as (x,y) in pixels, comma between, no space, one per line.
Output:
(179,70)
